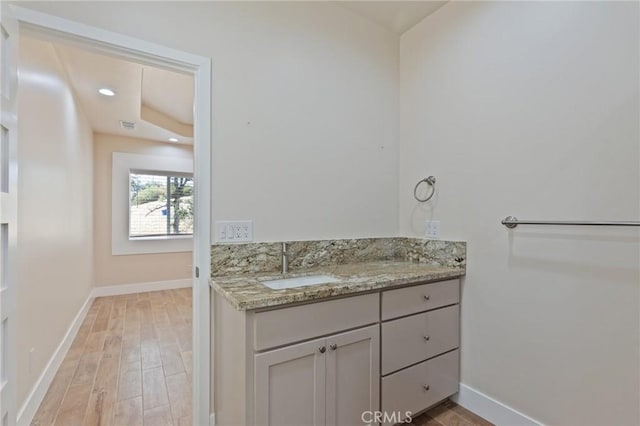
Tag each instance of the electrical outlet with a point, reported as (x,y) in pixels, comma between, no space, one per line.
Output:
(234,231)
(432,229)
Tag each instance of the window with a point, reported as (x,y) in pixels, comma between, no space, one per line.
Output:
(160,205)
(152,204)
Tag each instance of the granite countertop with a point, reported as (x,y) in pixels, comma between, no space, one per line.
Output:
(246,292)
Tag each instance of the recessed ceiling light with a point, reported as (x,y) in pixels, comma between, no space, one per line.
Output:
(106,92)
(173,139)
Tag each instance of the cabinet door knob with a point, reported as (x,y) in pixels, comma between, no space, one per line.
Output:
(426,387)
(426,338)
(322,349)
(333,347)
(426,297)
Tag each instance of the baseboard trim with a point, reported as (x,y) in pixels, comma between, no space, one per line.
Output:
(492,410)
(116,290)
(39,390)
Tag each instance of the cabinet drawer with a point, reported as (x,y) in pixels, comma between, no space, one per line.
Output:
(419,298)
(422,385)
(409,340)
(288,325)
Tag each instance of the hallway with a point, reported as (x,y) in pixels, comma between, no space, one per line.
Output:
(130,364)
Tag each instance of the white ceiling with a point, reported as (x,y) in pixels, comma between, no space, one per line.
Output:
(164,91)
(171,94)
(397,16)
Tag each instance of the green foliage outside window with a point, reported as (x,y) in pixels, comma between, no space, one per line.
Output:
(160,205)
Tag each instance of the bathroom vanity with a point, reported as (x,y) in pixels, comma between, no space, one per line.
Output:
(383,336)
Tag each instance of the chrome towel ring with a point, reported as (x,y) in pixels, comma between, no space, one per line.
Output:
(432,183)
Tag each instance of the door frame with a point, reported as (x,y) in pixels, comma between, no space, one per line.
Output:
(148,53)
(9,218)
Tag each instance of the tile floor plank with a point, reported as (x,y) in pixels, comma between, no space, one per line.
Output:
(187,360)
(150,353)
(129,412)
(166,335)
(425,420)
(112,344)
(159,416)
(448,413)
(154,388)
(130,383)
(102,400)
(471,417)
(443,414)
(74,405)
(102,321)
(95,341)
(179,388)
(87,368)
(131,349)
(53,398)
(185,421)
(171,360)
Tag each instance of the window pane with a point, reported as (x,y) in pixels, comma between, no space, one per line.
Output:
(181,206)
(160,205)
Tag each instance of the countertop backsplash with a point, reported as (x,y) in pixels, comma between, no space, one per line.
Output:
(252,258)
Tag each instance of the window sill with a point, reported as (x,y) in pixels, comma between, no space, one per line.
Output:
(153,245)
(161,238)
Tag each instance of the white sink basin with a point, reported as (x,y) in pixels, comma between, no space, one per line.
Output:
(299,281)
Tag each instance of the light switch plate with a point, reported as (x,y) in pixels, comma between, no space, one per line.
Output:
(236,231)
(432,229)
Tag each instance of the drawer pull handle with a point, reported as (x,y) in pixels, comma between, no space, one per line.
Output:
(426,338)
(426,297)
(333,347)
(322,349)
(426,388)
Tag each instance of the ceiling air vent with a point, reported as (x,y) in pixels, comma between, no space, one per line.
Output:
(128,125)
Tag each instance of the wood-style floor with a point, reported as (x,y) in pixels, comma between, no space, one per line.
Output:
(449,414)
(130,365)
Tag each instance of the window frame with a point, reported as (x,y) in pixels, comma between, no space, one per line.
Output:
(123,164)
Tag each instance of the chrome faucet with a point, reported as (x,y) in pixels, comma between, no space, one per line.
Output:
(285,258)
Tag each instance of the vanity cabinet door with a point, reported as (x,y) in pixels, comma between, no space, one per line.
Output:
(329,381)
(353,376)
(290,385)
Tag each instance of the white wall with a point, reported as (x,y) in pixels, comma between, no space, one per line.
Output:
(54,209)
(532,109)
(129,269)
(304,109)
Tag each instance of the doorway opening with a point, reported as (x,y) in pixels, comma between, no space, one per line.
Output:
(151,216)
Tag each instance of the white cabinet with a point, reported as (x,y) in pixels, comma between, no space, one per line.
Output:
(297,366)
(419,387)
(279,327)
(413,339)
(324,381)
(353,376)
(290,385)
(420,339)
(419,298)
